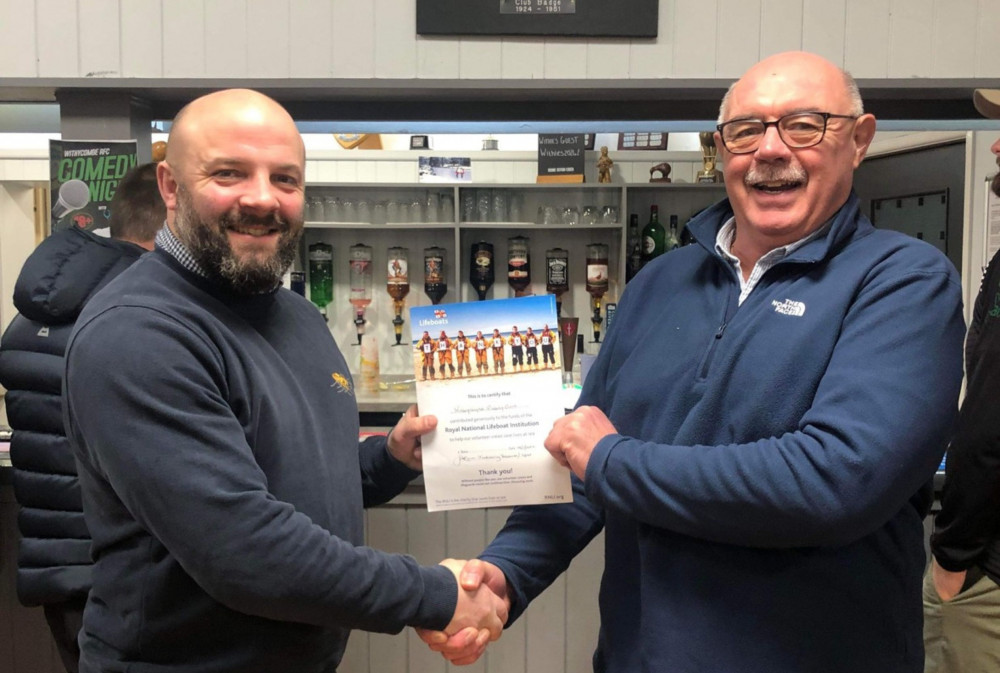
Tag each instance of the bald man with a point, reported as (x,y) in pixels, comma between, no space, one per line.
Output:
(758,445)
(216,430)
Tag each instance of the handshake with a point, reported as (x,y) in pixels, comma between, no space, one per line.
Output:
(480,614)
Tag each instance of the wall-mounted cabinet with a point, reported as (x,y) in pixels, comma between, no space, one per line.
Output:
(454,218)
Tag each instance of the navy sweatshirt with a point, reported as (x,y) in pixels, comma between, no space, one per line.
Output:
(217,437)
(760,500)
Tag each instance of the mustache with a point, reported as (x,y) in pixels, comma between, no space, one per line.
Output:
(759,173)
(995,184)
(270,220)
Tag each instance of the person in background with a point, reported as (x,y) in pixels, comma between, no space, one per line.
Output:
(961,592)
(759,445)
(57,280)
(216,429)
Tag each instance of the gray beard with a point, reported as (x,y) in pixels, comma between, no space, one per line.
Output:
(208,244)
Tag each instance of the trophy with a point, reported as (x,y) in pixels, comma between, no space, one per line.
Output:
(597,283)
(708,157)
(398,286)
(567,340)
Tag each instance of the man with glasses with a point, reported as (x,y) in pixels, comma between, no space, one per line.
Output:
(757,444)
(962,585)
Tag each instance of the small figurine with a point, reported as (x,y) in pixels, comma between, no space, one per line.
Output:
(604,164)
(663,169)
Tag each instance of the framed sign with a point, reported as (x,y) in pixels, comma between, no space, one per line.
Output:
(642,141)
(560,157)
(573,18)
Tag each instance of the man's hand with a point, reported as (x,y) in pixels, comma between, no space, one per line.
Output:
(466,646)
(404,439)
(574,436)
(946,583)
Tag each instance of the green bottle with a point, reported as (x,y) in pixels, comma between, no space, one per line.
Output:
(321,275)
(653,236)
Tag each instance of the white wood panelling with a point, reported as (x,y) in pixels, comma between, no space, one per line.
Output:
(480,58)
(953,44)
(184,38)
(738,36)
(310,48)
(349,39)
(57,38)
(268,38)
(522,58)
(226,38)
(437,58)
(823,28)
(142,38)
(607,60)
(100,38)
(565,58)
(867,46)
(18,50)
(987,44)
(395,40)
(694,30)
(780,26)
(353,38)
(910,37)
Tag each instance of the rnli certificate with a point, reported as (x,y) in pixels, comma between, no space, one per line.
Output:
(490,372)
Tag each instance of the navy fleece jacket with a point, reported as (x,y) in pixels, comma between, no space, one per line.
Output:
(762,500)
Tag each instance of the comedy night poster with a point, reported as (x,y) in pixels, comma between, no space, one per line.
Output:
(83,177)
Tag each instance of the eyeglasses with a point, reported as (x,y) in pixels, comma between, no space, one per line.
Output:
(797,130)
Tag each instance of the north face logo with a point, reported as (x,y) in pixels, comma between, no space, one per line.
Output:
(789,307)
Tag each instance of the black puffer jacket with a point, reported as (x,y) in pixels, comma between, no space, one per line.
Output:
(57,280)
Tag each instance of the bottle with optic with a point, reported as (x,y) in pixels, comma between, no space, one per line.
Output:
(672,239)
(653,236)
(361,284)
(435,283)
(321,275)
(481,273)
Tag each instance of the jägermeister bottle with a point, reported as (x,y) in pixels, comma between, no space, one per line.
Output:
(481,268)
(321,275)
(653,236)
(435,283)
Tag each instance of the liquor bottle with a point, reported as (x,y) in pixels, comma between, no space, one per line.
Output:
(634,247)
(518,265)
(361,284)
(481,272)
(672,239)
(557,274)
(686,237)
(435,283)
(597,283)
(653,235)
(321,275)
(398,286)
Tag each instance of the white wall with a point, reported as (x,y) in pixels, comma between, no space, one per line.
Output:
(376,39)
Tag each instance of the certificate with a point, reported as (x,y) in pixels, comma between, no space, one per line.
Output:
(490,372)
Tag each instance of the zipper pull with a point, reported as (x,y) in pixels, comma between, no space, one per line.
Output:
(718,333)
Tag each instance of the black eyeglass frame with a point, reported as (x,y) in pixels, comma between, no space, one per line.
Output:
(827,116)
